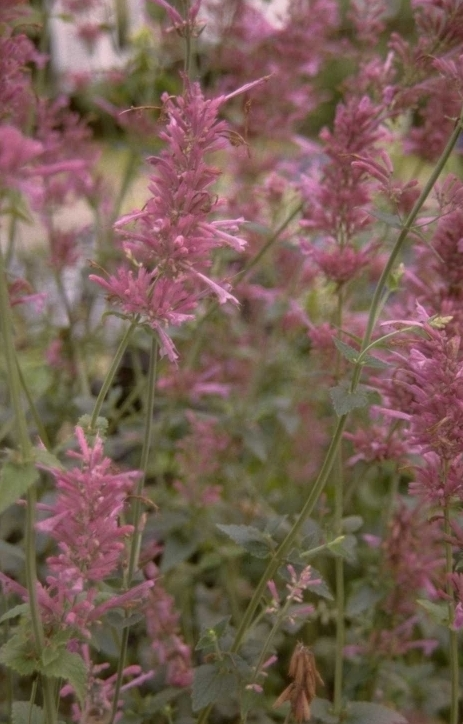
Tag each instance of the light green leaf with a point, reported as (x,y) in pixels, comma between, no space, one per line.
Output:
(19,655)
(345,401)
(15,611)
(255,542)
(15,480)
(71,667)
(211,683)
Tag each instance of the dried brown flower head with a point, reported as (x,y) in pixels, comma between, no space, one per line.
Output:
(301,691)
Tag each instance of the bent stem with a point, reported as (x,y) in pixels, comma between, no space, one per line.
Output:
(330,457)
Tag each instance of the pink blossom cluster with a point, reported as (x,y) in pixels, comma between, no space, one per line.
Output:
(169,243)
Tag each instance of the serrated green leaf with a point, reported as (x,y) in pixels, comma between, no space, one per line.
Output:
(370,361)
(345,401)
(320,588)
(346,350)
(362,599)
(345,547)
(211,683)
(19,655)
(46,459)
(23,712)
(362,712)
(119,621)
(176,550)
(255,542)
(15,611)
(322,709)
(15,480)
(49,655)
(210,636)
(71,667)
(437,611)
(157,702)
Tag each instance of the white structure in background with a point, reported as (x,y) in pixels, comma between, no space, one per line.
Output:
(71,55)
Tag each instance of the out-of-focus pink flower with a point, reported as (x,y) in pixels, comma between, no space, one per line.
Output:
(162,625)
(85,516)
(16,152)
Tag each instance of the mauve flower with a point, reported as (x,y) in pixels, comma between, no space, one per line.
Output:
(162,626)
(85,516)
(170,241)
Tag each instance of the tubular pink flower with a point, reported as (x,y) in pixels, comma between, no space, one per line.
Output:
(85,520)
(171,240)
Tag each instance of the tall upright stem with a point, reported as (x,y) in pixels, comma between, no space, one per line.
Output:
(453,636)
(25,449)
(136,512)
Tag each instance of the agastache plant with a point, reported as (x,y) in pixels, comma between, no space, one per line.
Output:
(272,508)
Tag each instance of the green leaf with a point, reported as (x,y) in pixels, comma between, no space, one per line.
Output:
(71,667)
(345,547)
(255,542)
(438,612)
(346,350)
(157,702)
(18,653)
(389,219)
(15,480)
(23,712)
(352,523)
(46,459)
(369,361)
(210,636)
(177,549)
(362,712)
(321,588)
(345,401)
(322,709)
(211,683)
(15,611)
(362,599)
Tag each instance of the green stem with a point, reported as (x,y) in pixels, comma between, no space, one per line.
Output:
(453,636)
(136,512)
(112,371)
(428,187)
(25,449)
(340,593)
